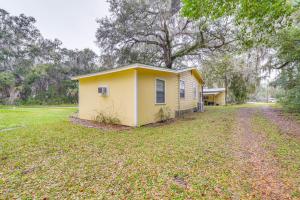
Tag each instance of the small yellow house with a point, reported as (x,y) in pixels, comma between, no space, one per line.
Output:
(214,96)
(135,93)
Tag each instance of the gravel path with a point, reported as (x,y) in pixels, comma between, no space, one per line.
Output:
(257,165)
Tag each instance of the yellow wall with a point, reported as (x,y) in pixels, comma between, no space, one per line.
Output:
(147,107)
(189,101)
(210,98)
(119,102)
(122,101)
(218,99)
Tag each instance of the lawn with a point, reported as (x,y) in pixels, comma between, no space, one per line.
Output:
(48,157)
(13,117)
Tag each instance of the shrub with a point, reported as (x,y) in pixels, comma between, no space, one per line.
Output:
(291,99)
(101,117)
(164,113)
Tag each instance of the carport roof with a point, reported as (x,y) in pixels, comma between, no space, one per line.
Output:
(213,91)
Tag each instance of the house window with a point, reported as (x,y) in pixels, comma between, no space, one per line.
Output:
(195,90)
(160,91)
(182,89)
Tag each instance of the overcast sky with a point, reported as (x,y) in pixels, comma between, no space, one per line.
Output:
(71,21)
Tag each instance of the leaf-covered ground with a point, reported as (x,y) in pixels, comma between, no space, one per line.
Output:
(46,156)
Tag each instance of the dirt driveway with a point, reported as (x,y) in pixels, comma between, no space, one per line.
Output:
(258,164)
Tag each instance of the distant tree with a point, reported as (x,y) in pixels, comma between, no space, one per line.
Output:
(81,61)
(7,81)
(238,88)
(17,38)
(38,70)
(218,71)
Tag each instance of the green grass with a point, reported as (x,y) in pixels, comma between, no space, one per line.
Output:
(51,158)
(25,116)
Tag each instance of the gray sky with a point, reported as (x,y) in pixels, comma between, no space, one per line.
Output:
(71,21)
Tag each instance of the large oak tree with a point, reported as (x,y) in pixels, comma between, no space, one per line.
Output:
(154,32)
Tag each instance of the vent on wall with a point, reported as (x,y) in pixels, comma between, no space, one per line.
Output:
(103,90)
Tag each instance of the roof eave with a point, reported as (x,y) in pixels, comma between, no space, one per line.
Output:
(139,66)
(132,66)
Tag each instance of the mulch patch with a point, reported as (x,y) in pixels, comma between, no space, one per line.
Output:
(97,125)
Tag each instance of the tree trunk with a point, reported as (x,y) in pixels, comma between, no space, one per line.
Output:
(167,48)
(167,58)
(13,95)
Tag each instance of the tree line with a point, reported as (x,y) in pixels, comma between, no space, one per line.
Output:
(234,44)
(36,70)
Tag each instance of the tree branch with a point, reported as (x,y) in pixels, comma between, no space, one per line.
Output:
(281,66)
(147,42)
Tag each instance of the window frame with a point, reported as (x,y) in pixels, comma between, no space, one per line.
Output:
(165,91)
(182,81)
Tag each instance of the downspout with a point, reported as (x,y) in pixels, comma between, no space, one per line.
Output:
(202,99)
(178,94)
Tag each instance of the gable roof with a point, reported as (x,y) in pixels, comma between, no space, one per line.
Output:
(213,90)
(140,66)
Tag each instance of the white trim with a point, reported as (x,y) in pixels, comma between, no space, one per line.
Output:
(135,98)
(211,93)
(186,69)
(208,90)
(165,90)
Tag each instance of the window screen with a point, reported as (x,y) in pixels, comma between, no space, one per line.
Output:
(160,91)
(182,89)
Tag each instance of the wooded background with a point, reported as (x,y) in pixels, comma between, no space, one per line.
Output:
(236,44)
